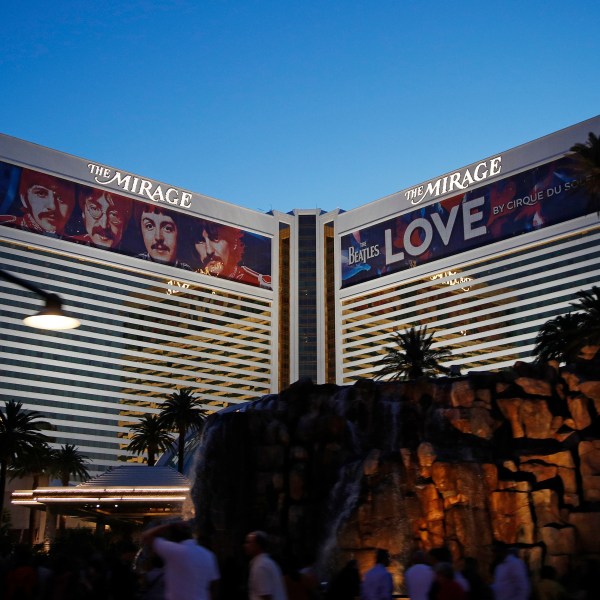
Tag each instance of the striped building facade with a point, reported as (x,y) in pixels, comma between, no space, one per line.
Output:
(483,256)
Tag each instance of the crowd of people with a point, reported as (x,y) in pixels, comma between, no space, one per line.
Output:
(75,569)
(171,564)
(434,576)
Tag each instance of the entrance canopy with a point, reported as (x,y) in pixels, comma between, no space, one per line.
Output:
(127,492)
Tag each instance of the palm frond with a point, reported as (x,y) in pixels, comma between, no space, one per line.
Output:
(563,337)
(412,356)
(585,163)
(150,435)
(69,461)
(559,339)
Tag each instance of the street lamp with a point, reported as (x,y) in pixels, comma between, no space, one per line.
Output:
(52,315)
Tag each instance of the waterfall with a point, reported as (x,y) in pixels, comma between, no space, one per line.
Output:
(342,502)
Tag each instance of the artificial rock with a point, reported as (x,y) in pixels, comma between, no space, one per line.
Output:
(336,471)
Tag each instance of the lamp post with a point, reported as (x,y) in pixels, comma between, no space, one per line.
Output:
(52,315)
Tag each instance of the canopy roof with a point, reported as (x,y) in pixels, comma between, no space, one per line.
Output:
(127,492)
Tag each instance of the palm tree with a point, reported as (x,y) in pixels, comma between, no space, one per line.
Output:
(20,432)
(150,434)
(588,301)
(35,462)
(412,357)
(182,412)
(586,163)
(564,337)
(558,339)
(67,461)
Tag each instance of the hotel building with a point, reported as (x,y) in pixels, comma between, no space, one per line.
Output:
(175,289)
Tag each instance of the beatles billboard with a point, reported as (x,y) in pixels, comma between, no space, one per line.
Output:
(151,231)
(517,204)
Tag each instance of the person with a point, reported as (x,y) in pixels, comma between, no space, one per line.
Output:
(47,203)
(548,588)
(346,583)
(377,583)
(510,580)
(300,583)
(265,580)
(191,571)
(447,587)
(21,578)
(478,588)
(219,249)
(295,584)
(153,580)
(105,217)
(419,577)
(443,555)
(123,582)
(160,234)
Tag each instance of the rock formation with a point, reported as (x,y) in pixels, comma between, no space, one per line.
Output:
(335,472)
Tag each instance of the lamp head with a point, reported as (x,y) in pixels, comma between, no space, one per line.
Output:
(51,316)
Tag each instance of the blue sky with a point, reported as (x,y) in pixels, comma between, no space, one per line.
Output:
(285,104)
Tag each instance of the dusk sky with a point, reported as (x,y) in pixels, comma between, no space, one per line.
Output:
(281,105)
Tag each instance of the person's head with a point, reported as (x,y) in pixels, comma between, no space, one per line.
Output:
(219,247)
(382,557)
(256,543)
(105,216)
(501,551)
(180,531)
(469,565)
(159,231)
(440,555)
(419,558)
(548,572)
(48,200)
(444,571)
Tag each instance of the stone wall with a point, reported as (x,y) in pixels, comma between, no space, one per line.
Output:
(335,472)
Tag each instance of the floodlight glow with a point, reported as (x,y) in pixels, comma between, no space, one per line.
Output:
(51,317)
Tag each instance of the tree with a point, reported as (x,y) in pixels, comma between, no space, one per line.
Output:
(586,163)
(564,337)
(558,339)
(412,356)
(150,434)
(67,461)
(588,301)
(20,433)
(35,462)
(181,413)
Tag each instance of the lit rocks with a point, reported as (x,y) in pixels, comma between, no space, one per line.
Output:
(589,455)
(530,418)
(534,387)
(587,525)
(512,520)
(332,471)
(462,394)
(545,507)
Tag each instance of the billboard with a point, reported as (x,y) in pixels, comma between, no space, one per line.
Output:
(528,201)
(81,214)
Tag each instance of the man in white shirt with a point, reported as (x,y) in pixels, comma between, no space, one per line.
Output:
(265,581)
(419,577)
(191,571)
(378,583)
(511,579)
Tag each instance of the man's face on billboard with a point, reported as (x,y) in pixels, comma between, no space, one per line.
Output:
(49,201)
(105,218)
(160,236)
(214,253)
